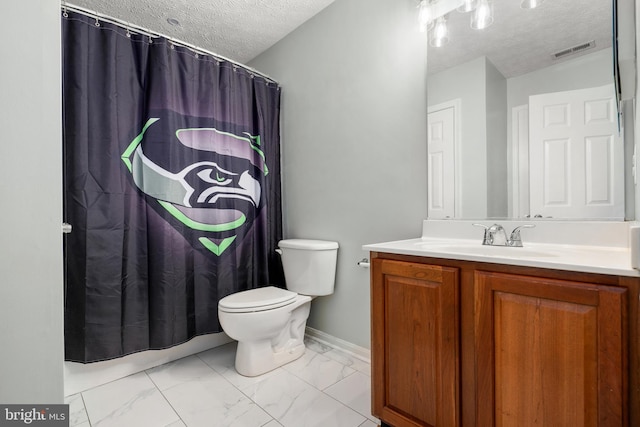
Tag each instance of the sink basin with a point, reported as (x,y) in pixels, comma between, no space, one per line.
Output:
(479,249)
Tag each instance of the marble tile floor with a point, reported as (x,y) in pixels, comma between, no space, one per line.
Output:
(325,387)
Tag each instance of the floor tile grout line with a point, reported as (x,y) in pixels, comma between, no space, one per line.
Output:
(205,362)
(347,406)
(85,409)
(240,390)
(164,397)
(221,376)
(343,403)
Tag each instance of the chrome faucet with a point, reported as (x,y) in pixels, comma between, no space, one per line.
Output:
(496,235)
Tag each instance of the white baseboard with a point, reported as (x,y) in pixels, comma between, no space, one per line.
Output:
(345,346)
(79,377)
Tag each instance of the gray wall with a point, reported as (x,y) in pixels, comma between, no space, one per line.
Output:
(353,141)
(496,84)
(31,290)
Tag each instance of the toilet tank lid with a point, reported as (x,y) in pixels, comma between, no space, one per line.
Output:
(308,244)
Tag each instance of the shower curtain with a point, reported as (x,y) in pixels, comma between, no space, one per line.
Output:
(171,184)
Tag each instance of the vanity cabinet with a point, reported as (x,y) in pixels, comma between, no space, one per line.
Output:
(461,343)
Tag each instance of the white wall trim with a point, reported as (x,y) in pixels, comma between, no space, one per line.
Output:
(340,344)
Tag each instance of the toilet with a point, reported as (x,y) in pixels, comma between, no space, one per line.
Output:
(269,322)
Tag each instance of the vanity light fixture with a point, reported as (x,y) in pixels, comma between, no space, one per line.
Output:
(530,4)
(483,15)
(432,15)
(440,33)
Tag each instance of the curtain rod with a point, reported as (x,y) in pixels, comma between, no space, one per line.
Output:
(150,33)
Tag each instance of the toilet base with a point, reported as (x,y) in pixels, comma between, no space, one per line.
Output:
(259,358)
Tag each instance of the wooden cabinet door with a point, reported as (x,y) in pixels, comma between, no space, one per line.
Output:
(415,371)
(548,352)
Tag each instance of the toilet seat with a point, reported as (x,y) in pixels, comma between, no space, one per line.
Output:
(259,299)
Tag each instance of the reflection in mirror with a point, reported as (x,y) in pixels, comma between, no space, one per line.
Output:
(523,120)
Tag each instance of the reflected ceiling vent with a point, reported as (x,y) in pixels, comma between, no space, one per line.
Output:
(575,49)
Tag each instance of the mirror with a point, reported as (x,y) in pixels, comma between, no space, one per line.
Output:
(497,98)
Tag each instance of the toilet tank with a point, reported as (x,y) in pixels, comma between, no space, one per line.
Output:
(309,265)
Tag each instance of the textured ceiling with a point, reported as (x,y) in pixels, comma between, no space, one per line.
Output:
(519,41)
(236,29)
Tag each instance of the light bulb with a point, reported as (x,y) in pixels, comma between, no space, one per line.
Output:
(440,33)
(425,16)
(482,16)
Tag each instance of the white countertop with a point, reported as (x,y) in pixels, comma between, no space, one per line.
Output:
(573,256)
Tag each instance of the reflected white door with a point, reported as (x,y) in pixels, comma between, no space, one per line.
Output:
(576,155)
(441,162)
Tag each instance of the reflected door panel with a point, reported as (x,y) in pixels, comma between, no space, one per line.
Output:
(576,155)
(441,163)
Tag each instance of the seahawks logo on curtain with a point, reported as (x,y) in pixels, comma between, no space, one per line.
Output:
(206,175)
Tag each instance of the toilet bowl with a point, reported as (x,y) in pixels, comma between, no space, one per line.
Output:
(268,337)
(269,322)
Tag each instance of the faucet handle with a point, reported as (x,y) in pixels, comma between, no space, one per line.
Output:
(516,239)
(488,236)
